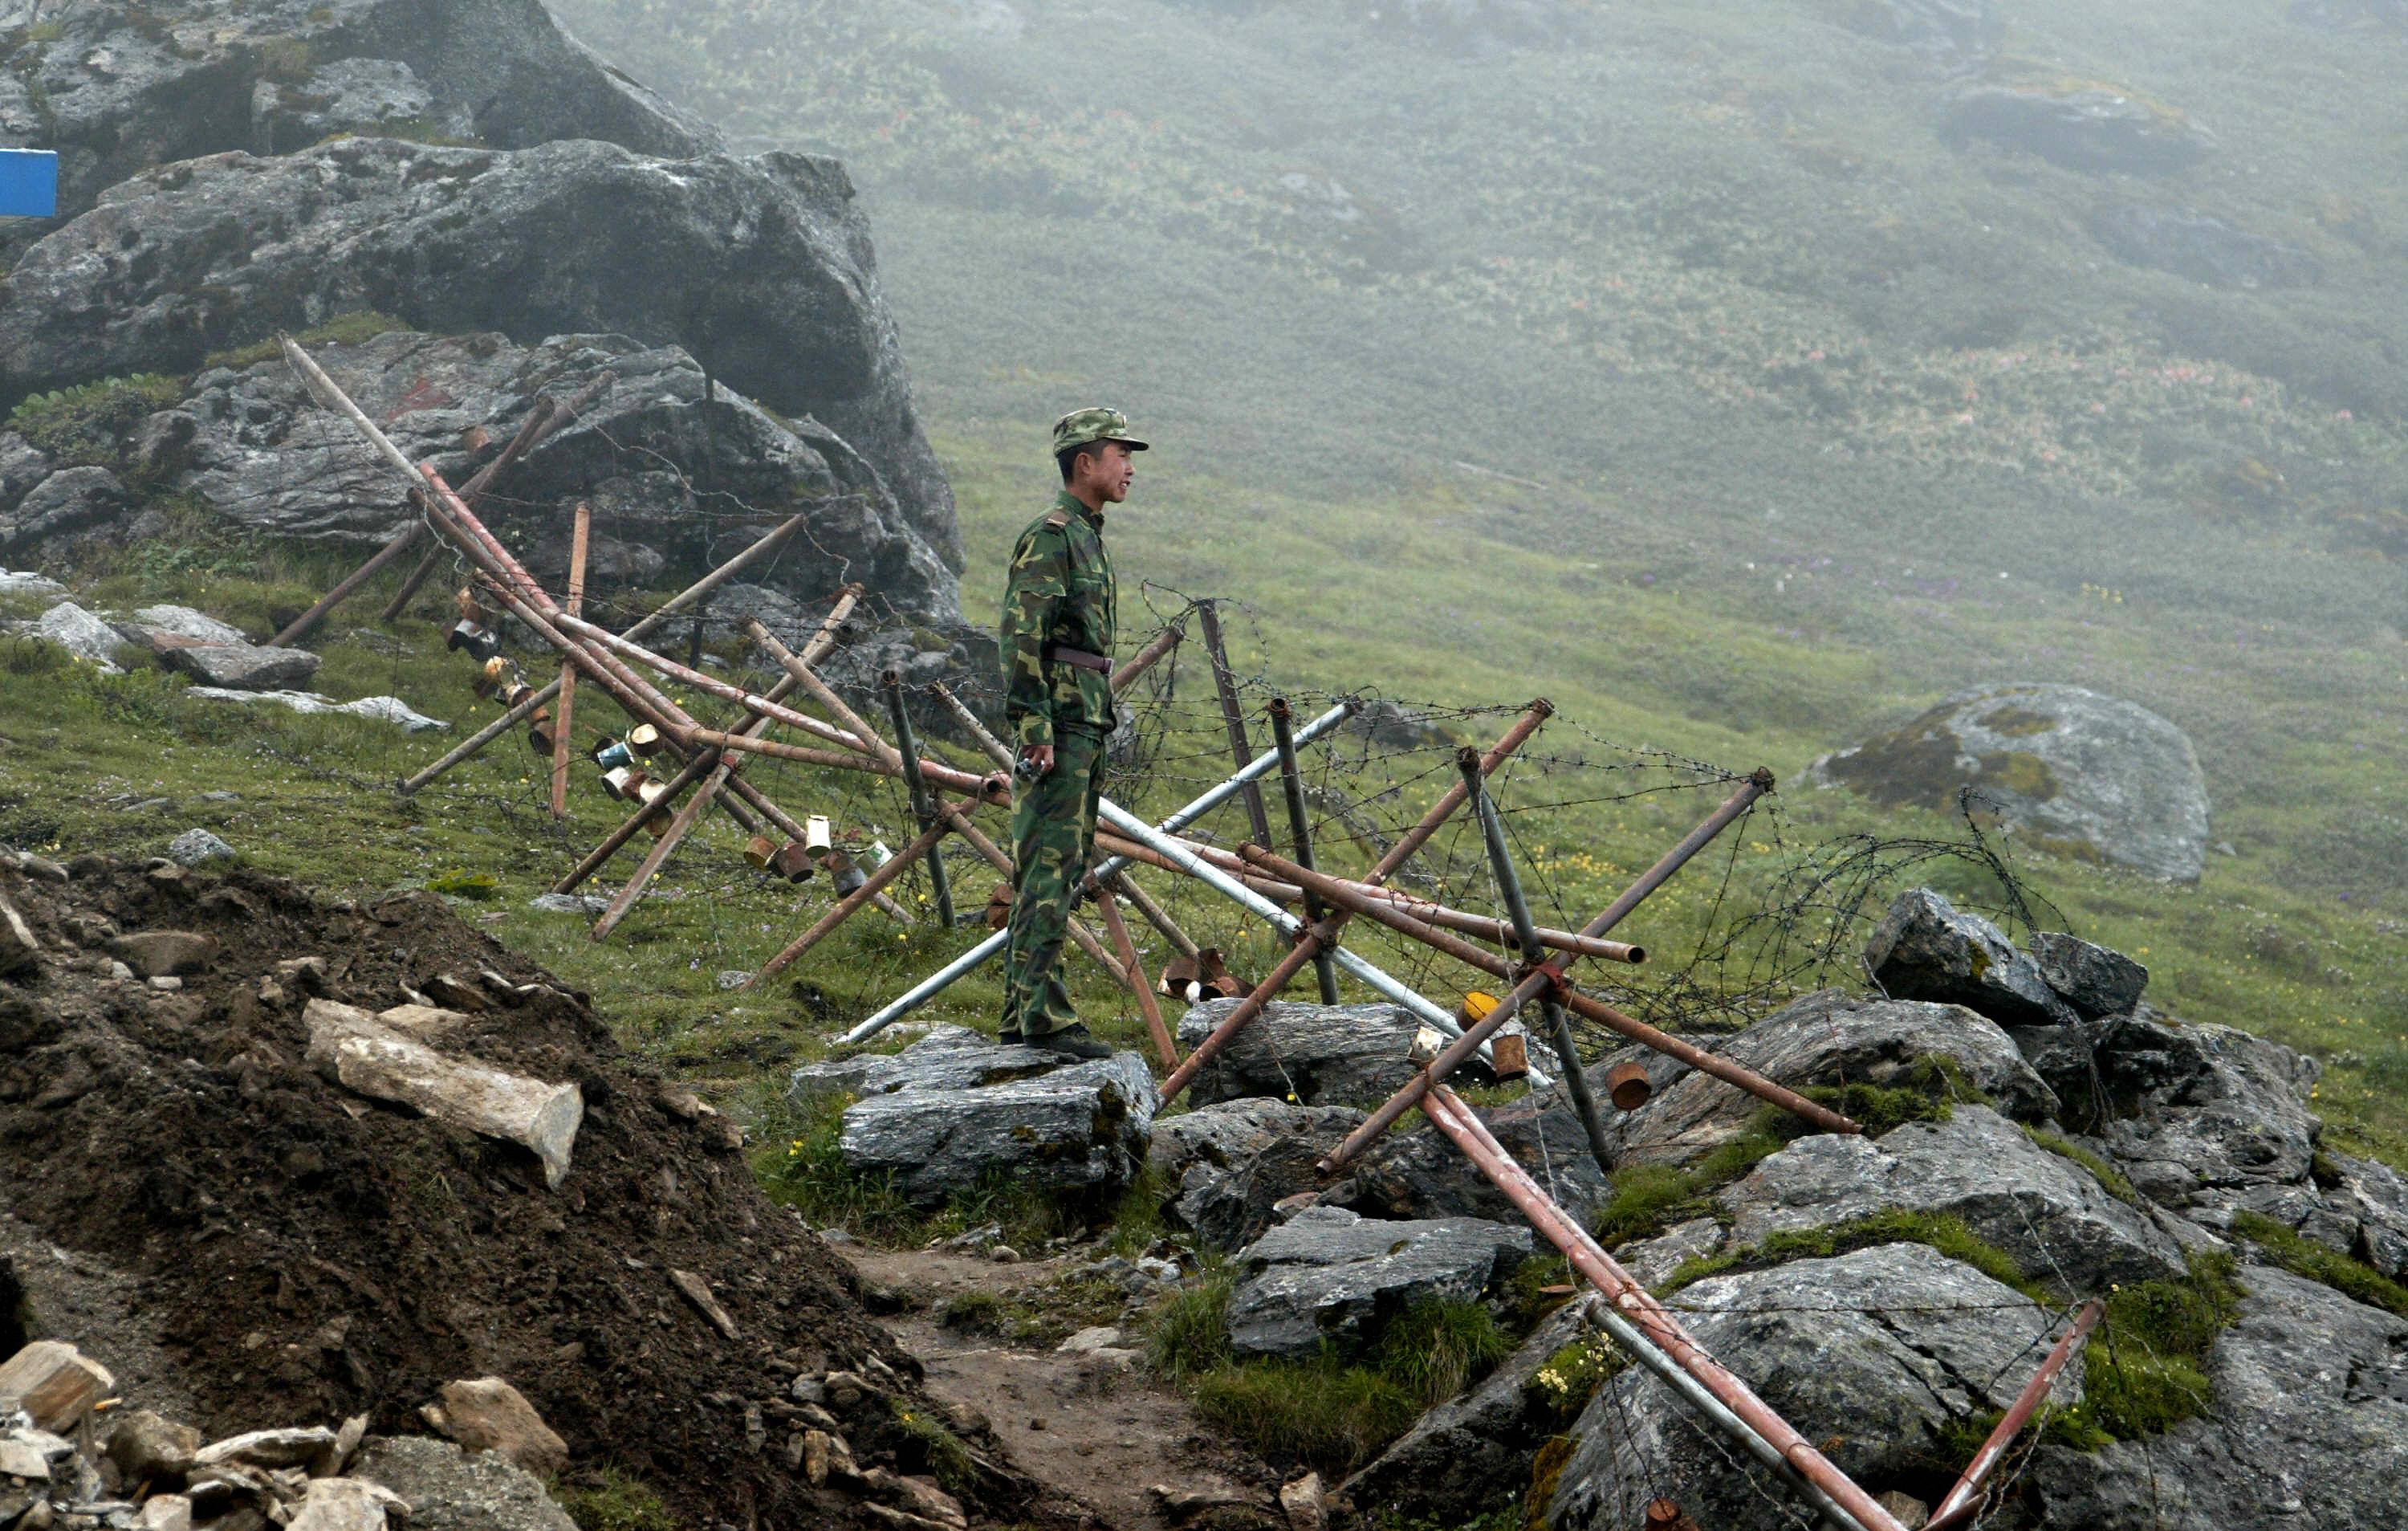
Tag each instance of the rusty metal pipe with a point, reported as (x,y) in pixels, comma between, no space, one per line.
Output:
(1964,1499)
(1652,1336)
(1551,976)
(1118,930)
(1299,827)
(580,541)
(1147,658)
(923,809)
(1560,1027)
(845,907)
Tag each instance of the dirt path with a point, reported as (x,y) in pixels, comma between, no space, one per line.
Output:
(1096,1428)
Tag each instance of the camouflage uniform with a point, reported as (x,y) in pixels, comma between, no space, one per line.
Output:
(1060,598)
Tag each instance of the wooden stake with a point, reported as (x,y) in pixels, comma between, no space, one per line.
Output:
(1118,930)
(560,734)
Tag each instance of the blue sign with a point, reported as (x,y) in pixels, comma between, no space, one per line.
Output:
(29,183)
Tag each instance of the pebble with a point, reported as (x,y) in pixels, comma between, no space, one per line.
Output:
(165,983)
(1004,1254)
(568,904)
(734,977)
(195,846)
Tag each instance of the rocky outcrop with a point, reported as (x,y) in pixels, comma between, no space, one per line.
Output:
(1232,1161)
(2068,769)
(953,1111)
(1924,949)
(2193,1106)
(2191,244)
(2080,124)
(760,268)
(680,472)
(118,87)
(2046,1211)
(1422,1174)
(1318,1055)
(1832,1039)
(1328,1276)
(1872,1356)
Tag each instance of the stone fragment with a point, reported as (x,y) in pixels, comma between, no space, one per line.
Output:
(54,1383)
(916,1497)
(946,1114)
(489,1415)
(167,1512)
(345,1504)
(697,1291)
(1095,1338)
(1831,1038)
(1872,1356)
(240,667)
(2044,1211)
(429,1023)
(346,1446)
(1328,1274)
(195,846)
(148,1448)
(1474,1451)
(2093,979)
(391,710)
(1302,1501)
(71,500)
(448,1490)
(1925,948)
(158,954)
(83,635)
(1422,1174)
(363,1054)
(1653,1261)
(41,868)
(24,1459)
(1354,1055)
(267,1449)
(19,949)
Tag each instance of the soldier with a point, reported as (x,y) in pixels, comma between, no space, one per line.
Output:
(1057,646)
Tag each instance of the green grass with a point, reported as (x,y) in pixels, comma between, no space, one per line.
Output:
(344,329)
(1941,1232)
(1434,1350)
(1187,1333)
(615,1500)
(2145,1370)
(943,1456)
(2352,1277)
(1328,1415)
(2107,1175)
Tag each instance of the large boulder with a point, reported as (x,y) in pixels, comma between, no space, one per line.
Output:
(1354,1055)
(679,473)
(2046,1211)
(1872,1355)
(2310,1429)
(760,267)
(1474,1452)
(2190,243)
(954,1112)
(1329,1276)
(116,87)
(1832,1039)
(2068,769)
(2080,124)
(2196,1109)
(1232,1161)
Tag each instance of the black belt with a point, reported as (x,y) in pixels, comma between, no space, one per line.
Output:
(1077,657)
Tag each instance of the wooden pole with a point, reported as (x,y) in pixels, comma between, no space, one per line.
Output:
(1118,930)
(307,621)
(923,812)
(1233,718)
(844,909)
(1301,829)
(579,540)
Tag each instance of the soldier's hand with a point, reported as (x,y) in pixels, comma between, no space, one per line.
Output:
(1037,759)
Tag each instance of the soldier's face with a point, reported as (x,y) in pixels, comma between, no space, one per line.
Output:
(1106,473)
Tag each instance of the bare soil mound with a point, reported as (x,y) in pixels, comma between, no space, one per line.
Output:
(305,1254)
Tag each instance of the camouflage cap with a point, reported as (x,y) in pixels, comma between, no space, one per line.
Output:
(1079,427)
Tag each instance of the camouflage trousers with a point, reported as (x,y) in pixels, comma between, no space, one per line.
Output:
(1053,829)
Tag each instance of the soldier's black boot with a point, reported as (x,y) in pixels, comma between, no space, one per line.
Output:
(1073,1040)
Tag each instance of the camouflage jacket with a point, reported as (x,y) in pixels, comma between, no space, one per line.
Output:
(1060,592)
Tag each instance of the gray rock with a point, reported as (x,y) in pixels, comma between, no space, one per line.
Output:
(2310,1429)
(2082,128)
(80,633)
(956,1115)
(391,710)
(2190,243)
(450,1491)
(22,466)
(1321,1055)
(1474,1452)
(1871,1355)
(2041,1208)
(27,585)
(126,87)
(71,500)
(242,667)
(776,295)
(195,846)
(1925,948)
(947,1058)
(2093,979)
(1424,1174)
(1828,1039)
(2195,1108)
(1328,1274)
(363,1054)
(1233,1160)
(2063,767)
(2375,1196)
(182,622)
(676,471)
(568,904)
(1653,1261)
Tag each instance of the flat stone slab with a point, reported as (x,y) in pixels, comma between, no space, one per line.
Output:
(1318,1055)
(954,1110)
(242,667)
(1328,1274)
(391,710)
(2044,1209)
(80,633)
